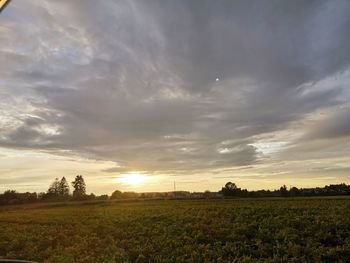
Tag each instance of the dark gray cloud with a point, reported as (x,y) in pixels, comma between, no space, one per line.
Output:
(170,85)
(337,125)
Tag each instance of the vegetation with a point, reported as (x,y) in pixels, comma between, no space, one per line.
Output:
(224,230)
(79,185)
(230,189)
(59,191)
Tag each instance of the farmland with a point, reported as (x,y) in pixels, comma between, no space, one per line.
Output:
(232,230)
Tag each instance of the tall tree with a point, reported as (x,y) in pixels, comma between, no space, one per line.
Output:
(79,186)
(63,187)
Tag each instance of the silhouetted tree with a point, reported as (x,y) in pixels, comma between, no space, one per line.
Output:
(79,186)
(54,188)
(294,191)
(63,187)
(117,194)
(231,186)
(284,191)
(231,189)
(10,194)
(13,197)
(58,190)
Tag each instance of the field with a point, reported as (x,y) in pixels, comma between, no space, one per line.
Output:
(236,230)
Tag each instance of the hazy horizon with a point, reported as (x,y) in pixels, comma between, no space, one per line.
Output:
(135,95)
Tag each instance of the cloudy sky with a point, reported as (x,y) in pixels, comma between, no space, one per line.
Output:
(197,92)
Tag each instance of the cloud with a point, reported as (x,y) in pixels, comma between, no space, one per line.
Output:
(135,82)
(337,125)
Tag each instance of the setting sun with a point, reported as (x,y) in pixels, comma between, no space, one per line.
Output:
(133,178)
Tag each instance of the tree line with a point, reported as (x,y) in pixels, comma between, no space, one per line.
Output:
(59,191)
(230,190)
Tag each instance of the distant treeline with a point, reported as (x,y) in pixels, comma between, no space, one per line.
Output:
(59,191)
(231,189)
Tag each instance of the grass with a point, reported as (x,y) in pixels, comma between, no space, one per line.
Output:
(234,230)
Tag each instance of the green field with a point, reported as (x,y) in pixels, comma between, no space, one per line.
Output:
(237,230)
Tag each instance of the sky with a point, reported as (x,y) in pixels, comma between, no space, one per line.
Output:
(193,92)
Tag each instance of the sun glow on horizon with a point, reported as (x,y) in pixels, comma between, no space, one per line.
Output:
(132,178)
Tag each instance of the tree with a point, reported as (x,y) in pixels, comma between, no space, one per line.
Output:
(58,190)
(54,188)
(79,186)
(117,195)
(13,197)
(230,186)
(231,189)
(294,191)
(63,187)
(283,191)
(10,194)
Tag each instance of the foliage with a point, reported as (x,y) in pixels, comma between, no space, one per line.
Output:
(79,192)
(224,230)
(117,195)
(284,191)
(58,191)
(63,187)
(13,197)
(54,188)
(231,189)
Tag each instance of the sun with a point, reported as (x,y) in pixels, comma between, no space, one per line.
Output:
(133,178)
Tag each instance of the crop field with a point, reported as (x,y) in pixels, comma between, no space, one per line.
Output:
(236,230)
